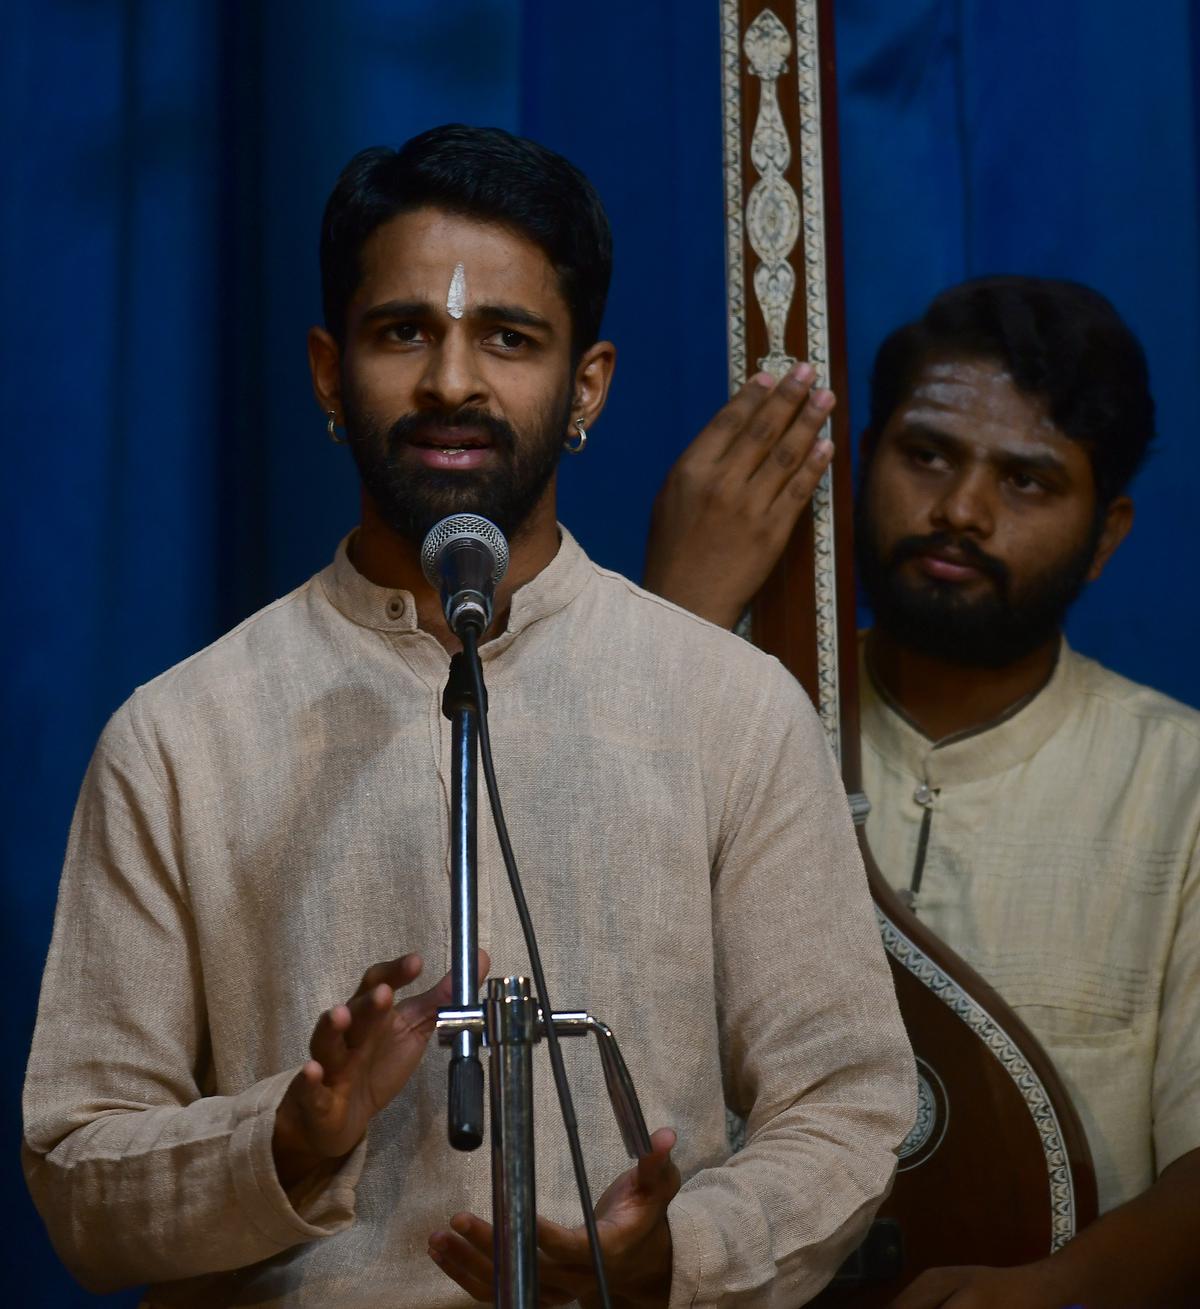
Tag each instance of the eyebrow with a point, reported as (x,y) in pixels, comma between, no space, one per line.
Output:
(512,314)
(399,309)
(1045,461)
(424,309)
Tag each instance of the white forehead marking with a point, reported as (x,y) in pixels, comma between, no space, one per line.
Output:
(456,296)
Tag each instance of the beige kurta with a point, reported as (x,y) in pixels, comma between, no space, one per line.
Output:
(1063,862)
(268,818)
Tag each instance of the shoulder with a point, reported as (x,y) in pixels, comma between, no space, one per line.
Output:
(229,669)
(1132,707)
(737,706)
(656,629)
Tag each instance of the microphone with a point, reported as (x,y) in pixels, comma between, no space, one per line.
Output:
(465,557)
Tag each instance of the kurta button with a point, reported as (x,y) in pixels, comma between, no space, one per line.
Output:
(395,607)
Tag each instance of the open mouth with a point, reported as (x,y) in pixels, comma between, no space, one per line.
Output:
(453,447)
(453,441)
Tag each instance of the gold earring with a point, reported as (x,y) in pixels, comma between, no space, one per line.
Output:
(577,446)
(331,427)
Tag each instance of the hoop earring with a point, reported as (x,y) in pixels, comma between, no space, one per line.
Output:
(577,446)
(331,427)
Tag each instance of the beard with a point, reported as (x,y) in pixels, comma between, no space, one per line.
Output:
(934,618)
(411,498)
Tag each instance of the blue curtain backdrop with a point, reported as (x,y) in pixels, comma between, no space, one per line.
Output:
(166,169)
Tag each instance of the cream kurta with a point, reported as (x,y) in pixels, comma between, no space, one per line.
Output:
(1062,862)
(268,818)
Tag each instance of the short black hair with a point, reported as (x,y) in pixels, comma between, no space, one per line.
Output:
(1063,343)
(478,172)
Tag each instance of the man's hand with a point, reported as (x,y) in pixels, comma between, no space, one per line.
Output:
(635,1240)
(363,1053)
(728,506)
(1030,1286)
(1144,1252)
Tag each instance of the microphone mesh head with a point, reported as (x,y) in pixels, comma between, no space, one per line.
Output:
(456,528)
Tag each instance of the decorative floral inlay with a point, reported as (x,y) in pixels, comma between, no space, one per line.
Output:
(772,210)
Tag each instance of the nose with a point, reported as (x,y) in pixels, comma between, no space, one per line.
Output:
(451,378)
(966,505)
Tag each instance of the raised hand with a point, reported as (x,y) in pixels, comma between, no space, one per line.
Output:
(363,1052)
(631,1222)
(729,504)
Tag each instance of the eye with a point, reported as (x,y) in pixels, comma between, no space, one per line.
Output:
(1025,483)
(406,333)
(509,339)
(925,456)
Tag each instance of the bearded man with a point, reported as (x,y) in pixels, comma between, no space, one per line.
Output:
(1038,811)
(269,818)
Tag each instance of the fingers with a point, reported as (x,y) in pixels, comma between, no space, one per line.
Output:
(779,432)
(395,973)
(421,1010)
(568,1245)
(798,456)
(795,489)
(933,1288)
(345,1027)
(462,1260)
(656,1171)
(728,423)
(797,440)
(464,1254)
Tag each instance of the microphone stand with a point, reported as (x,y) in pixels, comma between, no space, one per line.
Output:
(465,1098)
(509,1023)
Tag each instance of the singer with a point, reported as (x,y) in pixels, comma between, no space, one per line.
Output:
(229,1094)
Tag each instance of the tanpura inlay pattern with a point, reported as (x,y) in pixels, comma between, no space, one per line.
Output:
(768,220)
(735,273)
(1004,1048)
(772,210)
(816,298)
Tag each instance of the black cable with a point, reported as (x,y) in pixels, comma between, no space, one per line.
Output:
(470,648)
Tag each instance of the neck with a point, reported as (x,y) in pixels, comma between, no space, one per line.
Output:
(388,559)
(941,698)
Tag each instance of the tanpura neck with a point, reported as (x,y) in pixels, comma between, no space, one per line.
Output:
(942,699)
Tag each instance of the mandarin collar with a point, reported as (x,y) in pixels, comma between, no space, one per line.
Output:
(971,756)
(387,609)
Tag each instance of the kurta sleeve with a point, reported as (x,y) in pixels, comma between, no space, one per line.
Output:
(138,1175)
(1176,1086)
(815,1055)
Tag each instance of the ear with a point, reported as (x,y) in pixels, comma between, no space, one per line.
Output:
(325,365)
(593,374)
(1118,519)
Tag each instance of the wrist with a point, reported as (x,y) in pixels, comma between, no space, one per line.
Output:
(1055,1281)
(293,1155)
(650,1287)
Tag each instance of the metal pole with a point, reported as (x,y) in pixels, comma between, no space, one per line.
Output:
(511,1021)
(465,1101)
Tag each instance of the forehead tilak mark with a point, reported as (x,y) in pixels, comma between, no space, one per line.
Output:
(456,295)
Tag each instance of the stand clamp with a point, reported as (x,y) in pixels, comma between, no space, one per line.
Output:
(510,1023)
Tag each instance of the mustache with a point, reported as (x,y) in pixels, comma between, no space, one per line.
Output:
(411,427)
(909,547)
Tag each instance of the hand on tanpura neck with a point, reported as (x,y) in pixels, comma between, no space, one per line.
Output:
(728,506)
